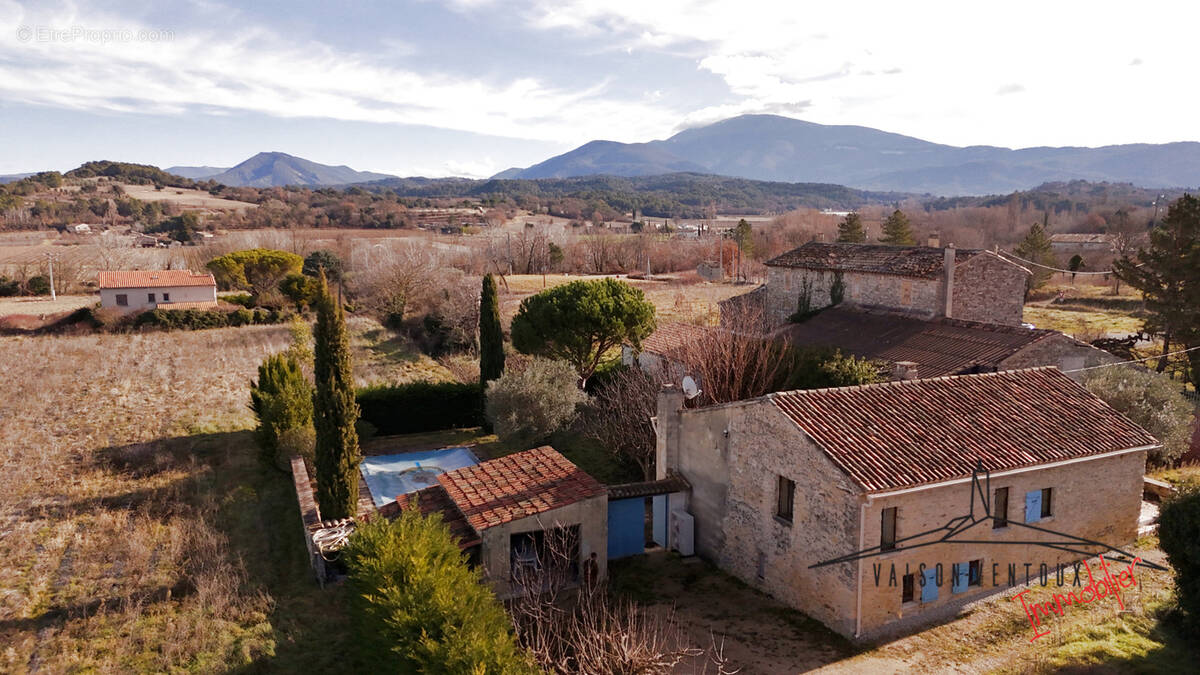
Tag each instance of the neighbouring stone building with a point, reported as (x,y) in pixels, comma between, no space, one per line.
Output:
(791,480)
(137,290)
(917,281)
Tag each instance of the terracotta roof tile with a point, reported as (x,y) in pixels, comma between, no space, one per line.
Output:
(910,261)
(434,499)
(154,279)
(900,434)
(517,486)
(669,337)
(938,346)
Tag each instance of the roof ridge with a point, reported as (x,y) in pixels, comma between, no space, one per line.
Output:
(916,382)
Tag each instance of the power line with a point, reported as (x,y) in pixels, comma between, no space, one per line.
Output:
(1056,269)
(1122,363)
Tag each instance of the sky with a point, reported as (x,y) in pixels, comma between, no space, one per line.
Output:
(472,87)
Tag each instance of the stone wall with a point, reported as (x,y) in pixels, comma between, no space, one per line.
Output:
(591,515)
(1097,499)
(1060,351)
(734,479)
(990,289)
(920,298)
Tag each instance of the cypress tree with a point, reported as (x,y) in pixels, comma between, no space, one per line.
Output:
(851,229)
(334,410)
(491,336)
(896,230)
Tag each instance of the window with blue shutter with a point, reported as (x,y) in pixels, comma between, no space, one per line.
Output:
(960,580)
(1033,506)
(929,592)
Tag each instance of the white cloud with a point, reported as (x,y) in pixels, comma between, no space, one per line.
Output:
(946,63)
(254,69)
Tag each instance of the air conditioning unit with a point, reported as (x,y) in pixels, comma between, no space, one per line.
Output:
(683,533)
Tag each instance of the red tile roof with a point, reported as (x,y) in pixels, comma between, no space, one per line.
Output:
(499,491)
(517,486)
(938,346)
(909,261)
(154,279)
(669,337)
(434,499)
(901,434)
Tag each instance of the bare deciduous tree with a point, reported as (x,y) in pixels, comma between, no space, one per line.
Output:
(618,416)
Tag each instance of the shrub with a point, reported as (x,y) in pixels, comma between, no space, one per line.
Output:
(197,319)
(420,608)
(525,407)
(243,299)
(8,287)
(1152,401)
(39,285)
(421,406)
(1179,537)
(282,400)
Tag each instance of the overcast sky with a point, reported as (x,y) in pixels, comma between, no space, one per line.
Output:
(471,87)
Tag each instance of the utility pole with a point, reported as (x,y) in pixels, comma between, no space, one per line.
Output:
(50,264)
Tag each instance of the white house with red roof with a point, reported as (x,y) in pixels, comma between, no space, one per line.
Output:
(139,290)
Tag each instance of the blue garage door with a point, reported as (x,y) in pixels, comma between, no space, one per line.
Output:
(626,527)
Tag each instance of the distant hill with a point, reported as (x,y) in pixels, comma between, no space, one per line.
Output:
(271,169)
(13,177)
(196,172)
(674,195)
(774,148)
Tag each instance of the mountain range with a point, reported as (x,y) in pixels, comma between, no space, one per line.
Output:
(774,148)
(271,169)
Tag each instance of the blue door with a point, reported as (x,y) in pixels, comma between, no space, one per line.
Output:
(626,527)
(959,583)
(929,592)
(1033,506)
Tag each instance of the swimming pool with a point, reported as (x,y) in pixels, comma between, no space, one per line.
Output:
(388,476)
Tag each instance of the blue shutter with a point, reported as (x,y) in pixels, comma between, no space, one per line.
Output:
(959,584)
(929,592)
(1033,506)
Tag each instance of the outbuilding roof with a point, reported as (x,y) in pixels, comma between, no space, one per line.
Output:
(154,279)
(498,491)
(914,432)
(668,338)
(938,346)
(924,262)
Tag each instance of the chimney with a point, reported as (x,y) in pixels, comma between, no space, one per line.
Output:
(934,241)
(948,280)
(667,427)
(904,370)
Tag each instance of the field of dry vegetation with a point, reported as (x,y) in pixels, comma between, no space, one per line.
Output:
(140,531)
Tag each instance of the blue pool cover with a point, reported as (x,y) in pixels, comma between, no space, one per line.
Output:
(388,476)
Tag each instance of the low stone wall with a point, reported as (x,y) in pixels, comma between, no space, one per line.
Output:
(310,516)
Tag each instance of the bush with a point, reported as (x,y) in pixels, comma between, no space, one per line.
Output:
(1152,401)
(419,607)
(421,406)
(8,287)
(525,407)
(1179,537)
(198,319)
(39,285)
(243,299)
(282,400)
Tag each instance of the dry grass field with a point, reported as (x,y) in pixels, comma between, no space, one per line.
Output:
(44,305)
(142,533)
(194,199)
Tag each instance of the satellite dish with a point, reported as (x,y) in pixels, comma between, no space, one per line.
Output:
(690,389)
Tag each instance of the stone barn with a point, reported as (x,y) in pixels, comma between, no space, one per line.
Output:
(918,281)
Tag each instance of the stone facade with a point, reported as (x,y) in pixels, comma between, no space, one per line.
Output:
(591,515)
(990,289)
(734,454)
(985,288)
(1063,352)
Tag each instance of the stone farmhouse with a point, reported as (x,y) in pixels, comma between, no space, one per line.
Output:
(921,282)
(138,290)
(790,480)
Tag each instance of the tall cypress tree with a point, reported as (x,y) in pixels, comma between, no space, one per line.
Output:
(851,229)
(334,410)
(491,336)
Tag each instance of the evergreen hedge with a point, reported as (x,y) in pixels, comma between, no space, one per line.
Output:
(196,319)
(421,406)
